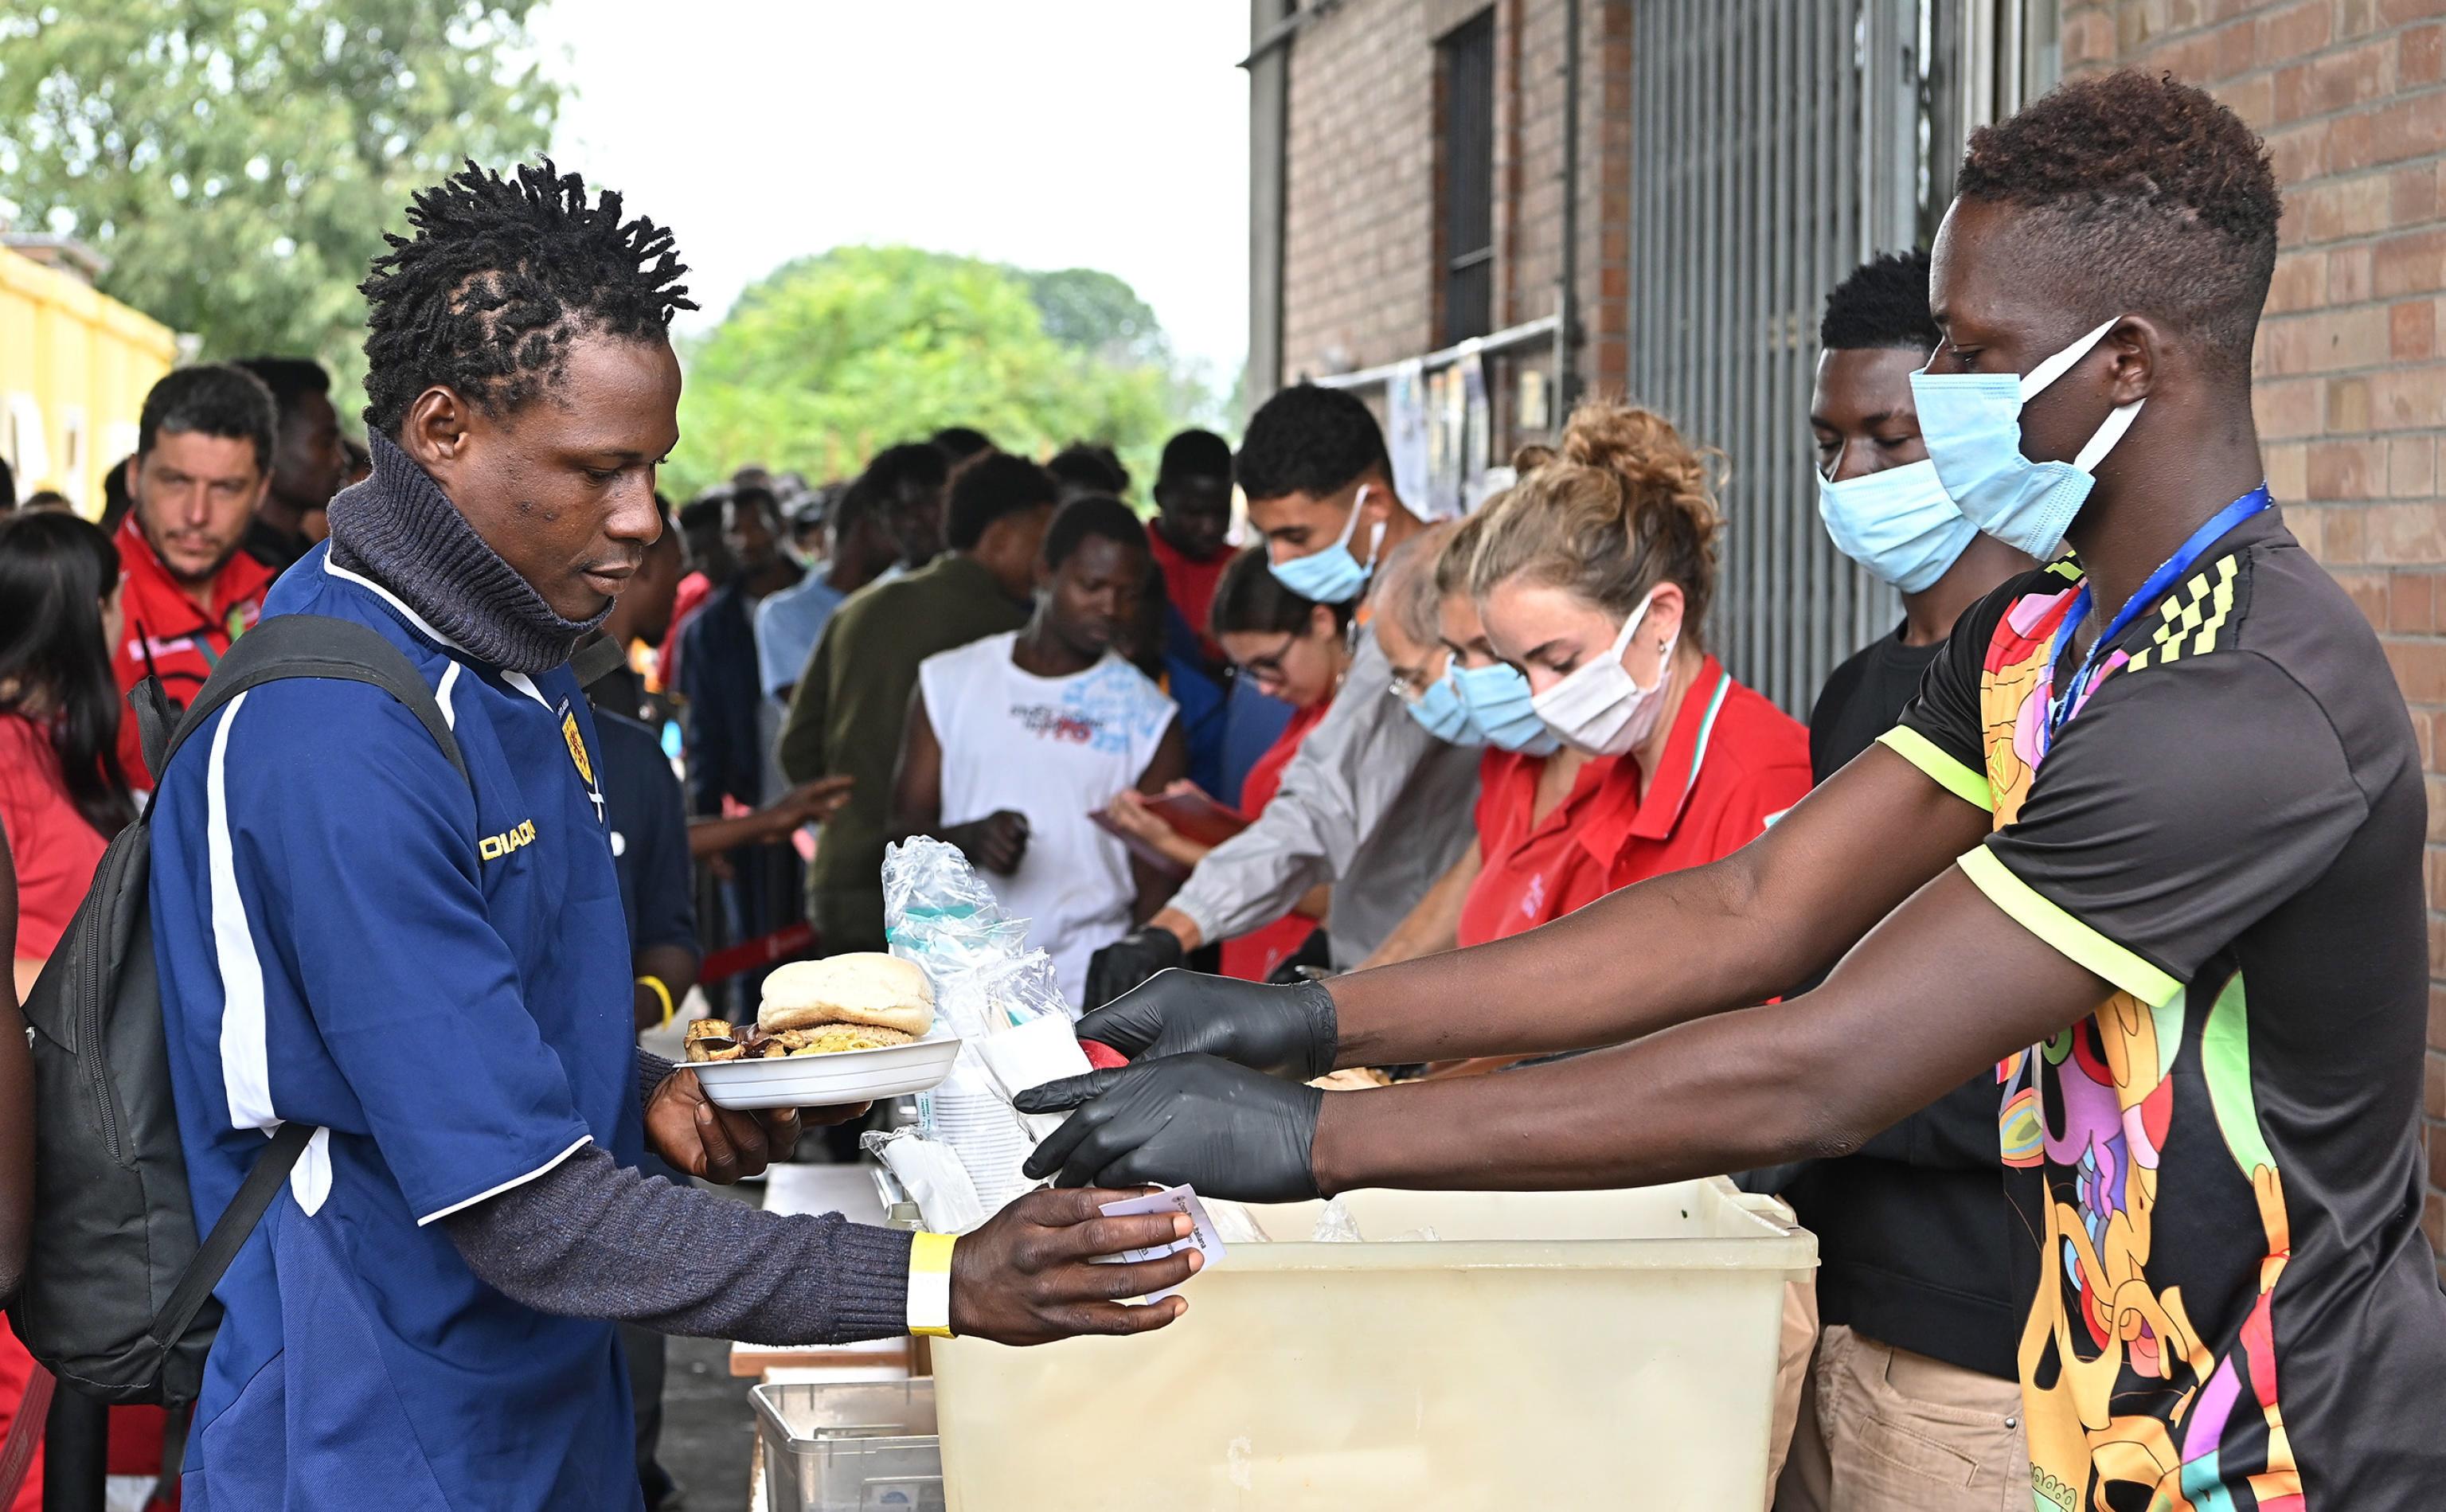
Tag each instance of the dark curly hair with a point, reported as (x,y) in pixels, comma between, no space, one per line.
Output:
(993,485)
(208,399)
(1195,454)
(2160,197)
(1308,440)
(500,274)
(959,442)
(1091,515)
(290,379)
(1881,303)
(1085,467)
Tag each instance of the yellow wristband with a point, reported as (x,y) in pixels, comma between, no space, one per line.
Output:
(930,1285)
(661,992)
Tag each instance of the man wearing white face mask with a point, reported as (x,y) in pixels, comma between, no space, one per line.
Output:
(1914,1272)
(1320,489)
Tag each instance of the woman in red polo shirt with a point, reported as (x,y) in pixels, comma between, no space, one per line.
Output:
(1297,650)
(63,794)
(1592,578)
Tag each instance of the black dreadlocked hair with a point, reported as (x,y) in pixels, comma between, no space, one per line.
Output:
(2154,195)
(1881,303)
(500,274)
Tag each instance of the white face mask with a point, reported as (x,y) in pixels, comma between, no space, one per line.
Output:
(1600,707)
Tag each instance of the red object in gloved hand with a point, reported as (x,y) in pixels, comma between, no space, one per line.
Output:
(1102,1056)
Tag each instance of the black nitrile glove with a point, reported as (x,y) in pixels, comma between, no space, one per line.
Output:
(1285,1031)
(1130,960)
(1227,1130)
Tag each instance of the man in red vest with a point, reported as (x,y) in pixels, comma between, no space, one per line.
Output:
(202,463)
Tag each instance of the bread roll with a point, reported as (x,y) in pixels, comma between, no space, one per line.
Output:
(866,987)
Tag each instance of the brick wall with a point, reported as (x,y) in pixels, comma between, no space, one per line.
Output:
(1360,237)
(1359,221)
(2351,367)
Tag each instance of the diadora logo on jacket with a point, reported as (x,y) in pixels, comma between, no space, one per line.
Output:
(492,848)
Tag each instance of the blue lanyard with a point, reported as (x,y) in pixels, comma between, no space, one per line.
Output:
(2059,709)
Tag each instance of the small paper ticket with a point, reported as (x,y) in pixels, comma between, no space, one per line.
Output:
(1170,1199)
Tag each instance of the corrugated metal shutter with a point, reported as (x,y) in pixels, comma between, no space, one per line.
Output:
(1776,144)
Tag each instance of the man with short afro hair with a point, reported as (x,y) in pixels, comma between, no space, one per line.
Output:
(307,460)
(1914,1273)
(2144,193)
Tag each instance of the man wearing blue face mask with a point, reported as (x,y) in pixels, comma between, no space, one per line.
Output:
(1914,1268)
(1320,490)
(2146,847)
(1883,505)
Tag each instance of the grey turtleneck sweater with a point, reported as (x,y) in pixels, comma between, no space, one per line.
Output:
(590,1238)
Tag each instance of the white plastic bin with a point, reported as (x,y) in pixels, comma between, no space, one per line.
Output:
(1557,1350)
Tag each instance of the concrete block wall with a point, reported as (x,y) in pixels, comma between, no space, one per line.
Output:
(2351,367)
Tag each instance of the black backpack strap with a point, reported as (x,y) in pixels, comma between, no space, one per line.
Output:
(283,647)
(157,717)
(302,646)
(597,658)
(229,1234)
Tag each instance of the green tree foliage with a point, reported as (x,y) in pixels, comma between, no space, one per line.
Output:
(1098,313)
(829,359)
(237,160)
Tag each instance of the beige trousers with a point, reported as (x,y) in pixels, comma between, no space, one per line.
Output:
(1882,1430)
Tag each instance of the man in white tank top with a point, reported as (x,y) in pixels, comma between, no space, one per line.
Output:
(1014,740)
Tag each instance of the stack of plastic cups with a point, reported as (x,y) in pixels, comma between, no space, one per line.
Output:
(967,1113)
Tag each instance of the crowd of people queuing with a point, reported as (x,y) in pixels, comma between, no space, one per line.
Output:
(1419,735)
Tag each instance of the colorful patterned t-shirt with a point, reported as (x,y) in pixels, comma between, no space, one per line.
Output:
(2231,1304)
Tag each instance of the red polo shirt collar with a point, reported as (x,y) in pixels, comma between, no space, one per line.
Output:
(1652,815)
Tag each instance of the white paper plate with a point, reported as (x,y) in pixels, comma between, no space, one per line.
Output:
(828,1080)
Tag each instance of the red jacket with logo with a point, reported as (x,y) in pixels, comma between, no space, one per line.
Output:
(166,632)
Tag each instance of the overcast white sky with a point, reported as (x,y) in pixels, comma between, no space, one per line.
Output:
(1104,134)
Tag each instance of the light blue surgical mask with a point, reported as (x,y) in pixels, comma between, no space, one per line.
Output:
(1441,713)
(1498,697)
(1331,575)
(1899,523)
(1972,425)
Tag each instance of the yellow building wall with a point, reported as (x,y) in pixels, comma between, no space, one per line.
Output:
(74,368)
